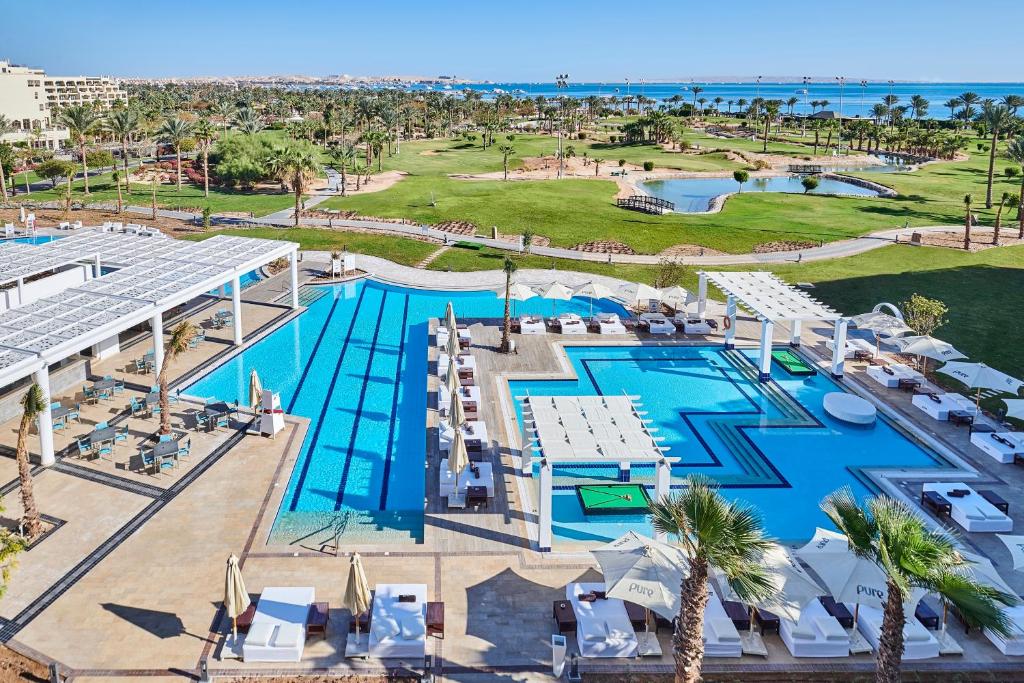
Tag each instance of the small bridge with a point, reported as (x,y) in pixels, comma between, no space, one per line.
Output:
(645,203)
(804,169)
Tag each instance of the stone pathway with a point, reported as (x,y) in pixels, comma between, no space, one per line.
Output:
(432,257)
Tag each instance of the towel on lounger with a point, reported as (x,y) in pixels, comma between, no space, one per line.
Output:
(831,629)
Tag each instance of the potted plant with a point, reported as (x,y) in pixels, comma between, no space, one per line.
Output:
(335,263)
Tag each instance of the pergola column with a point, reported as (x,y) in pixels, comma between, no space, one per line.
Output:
(293,267)
(662,481)
(730,326)
(624,471)
(764,364)
(525,453)
(157,324)
(839,347)
(236,307)
(46,456)
(21,291)
(544,504)
(794,333)
(702,295)
(97,268)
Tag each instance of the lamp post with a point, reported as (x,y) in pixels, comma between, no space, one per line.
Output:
(757,92)
(892,118)
(863,93)
(561,83)
(842,84)
(803,124)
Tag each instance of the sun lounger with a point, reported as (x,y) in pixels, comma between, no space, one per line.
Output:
(817,634)
(1012,644)
(692,325)
(278,630)
(971,510)
(532,324)
(1001,446)
(918,642)
(475,432)
(465,337)
(609,323)
(890,375)
(465,365)
(398,625)
(721,639)
(477,474)
(937,406)
(656,323)
(570,323)
(603,628)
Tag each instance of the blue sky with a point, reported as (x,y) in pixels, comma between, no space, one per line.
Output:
(933,40)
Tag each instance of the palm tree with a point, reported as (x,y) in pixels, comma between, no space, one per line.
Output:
(81,121)
(968,200)
(771,112)
(32,405)
(5,127)
(224,111)
(890,534)
(792,102)
(124,124)
(952,104)
(696,90)
(1015,151)
(506,152)
(181,335)
(597,165)
(205,133)
(248,121)
(509,266)
(175,131)
(116,177)
(919,105)
(999,217)
(712,531)
(296,165)
(997,118)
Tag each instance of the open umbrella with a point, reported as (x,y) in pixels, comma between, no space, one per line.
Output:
(848,577)
(880,324)
(1014,407)
(357,596)
(644,571)
(980,376)
(677,297)
(458,456)
(236,598)
(794,587)
(255,389)
(517,291)
(594,290)
(1015,544)
(555,291)
(928,347)
(637,292)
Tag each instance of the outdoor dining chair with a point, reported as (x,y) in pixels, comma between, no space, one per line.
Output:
(84,448)
(121,435)
(185,449)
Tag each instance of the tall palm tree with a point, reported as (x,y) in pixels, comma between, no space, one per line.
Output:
(32,405)
(1015,151)
(696,90)
(771,112)
(205,133)
(175,131)
(712,531)
(343,154)
(509,266)
(180,337)
(81,121)
(999,217)
(919,105)
(124,125)
(248,121)
(506,152)
(296,165)
(5,127)
(952,104)
(997,118)
(968,201)
(890,534)
(224,111)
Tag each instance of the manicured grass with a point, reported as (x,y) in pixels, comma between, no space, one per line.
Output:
(405,251)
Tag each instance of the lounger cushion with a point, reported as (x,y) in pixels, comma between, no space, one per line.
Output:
(974,513)
(831,629)
(801,633)
(289,636)
(413,627)
(914,632)
(724,630)
(260,634)
(386,626)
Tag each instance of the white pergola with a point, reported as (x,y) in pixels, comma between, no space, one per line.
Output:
(152,275)
(771,300)
(586,429)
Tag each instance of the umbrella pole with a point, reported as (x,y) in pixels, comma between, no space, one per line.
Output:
(234,627)
(977,399)
(856,610)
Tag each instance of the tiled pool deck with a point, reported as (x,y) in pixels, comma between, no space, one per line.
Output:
(129,587)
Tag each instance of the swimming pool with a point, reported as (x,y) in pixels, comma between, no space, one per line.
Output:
(769,444)
(692,195)
(36,239)
(355,363)
(245,280)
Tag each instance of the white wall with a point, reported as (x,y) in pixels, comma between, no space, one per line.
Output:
(43,287)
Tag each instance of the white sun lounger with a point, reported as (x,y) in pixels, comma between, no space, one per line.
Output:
(691,324)
(448,485)
(442,336)
(1002,449)
(532,324)
(609,323)
(603,628)
(721,639)
(939,410)
(446,435)
(463,362)
(399,629)
(278,630)
(817,634)
(1014,643)
(468,394)
(570,323)
(972,512)
(656,323)
(899,371)
(918,642)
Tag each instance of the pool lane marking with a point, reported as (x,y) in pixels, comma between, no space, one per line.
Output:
(394,405)
(359,406)
(312,356)
(323,410)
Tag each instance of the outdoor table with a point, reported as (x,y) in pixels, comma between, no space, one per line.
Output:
(565,618)
(213,411)
(165,449)
(151,399)
(60,414)
(435,619)
(103,435)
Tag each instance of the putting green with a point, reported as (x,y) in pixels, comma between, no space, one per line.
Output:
(792,363)
(613,499)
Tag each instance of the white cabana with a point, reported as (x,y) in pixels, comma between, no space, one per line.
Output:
(771,300)
(980,376)
(586,429)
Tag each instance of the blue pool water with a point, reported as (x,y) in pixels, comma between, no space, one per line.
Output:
(37,239)
(771,445)
(355,363)
(245,280)
(695,194)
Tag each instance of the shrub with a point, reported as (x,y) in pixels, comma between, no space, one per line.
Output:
(810,183)
(648,165)
(622,162)
(685,146)
(613,138)
(581,135)
(761,165)
(1012,171)
(99,158)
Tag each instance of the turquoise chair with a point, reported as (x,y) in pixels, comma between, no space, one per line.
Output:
(118,387)
(137,407)
(121,435)
(105,449)
(76,414)
(84,447)
(164,438)
(54,406)
(201,420)
(185,449)
(101,425)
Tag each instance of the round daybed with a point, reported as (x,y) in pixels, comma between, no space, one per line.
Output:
(849,408)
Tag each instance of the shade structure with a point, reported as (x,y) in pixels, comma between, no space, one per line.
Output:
(449,319)
(644,571)
(880,323)
(636,292)
(236,598)
(929,347)
(594,290)
(794,587)
(1014,407)
(453,347)
(255,389)
(357,596)
(458,456)
(556,291)
(517,291)
(984,571)
(847,577)
(677,297)
(452,378)
(1015,544)
(980,376)
(456,412)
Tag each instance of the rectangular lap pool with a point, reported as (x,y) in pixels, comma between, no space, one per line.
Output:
(770,444)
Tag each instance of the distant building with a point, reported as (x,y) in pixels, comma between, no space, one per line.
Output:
(30,99)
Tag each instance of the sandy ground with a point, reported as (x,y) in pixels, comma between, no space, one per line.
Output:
(16,668)
(51,218)
(376,183)
(981,238)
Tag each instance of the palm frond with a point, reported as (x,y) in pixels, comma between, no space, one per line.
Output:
(977,603)
(32,402)
(842,508)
